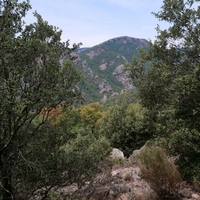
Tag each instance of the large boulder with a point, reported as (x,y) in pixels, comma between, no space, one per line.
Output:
(116,153)
(133,157)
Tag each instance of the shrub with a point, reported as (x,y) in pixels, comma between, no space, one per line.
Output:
(160,172)
(185,143)
(125,126)
(117,160)
(128,176)
(82,157)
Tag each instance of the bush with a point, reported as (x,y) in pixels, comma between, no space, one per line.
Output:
(125,126)
(160,172)
(185,144)
(82,157)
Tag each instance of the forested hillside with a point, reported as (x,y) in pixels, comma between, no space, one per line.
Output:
(50,139)
(169,89)
(103,67)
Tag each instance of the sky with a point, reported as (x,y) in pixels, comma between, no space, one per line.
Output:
(92,22)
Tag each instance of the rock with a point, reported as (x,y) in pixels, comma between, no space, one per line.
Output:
(104,86)
(121,188)
(133,157)
(185,192)
(122,77)
(116,172)
(118,70)
(195,196)
(101,192)
(123,182)
(92,54)
(103,100)
(103,66)
(69,190)
(116,153)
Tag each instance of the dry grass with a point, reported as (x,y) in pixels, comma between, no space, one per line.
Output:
(160,173)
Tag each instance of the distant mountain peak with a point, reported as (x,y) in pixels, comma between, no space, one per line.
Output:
(124,40)
(103,66)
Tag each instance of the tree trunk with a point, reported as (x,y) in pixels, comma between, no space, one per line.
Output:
(6,185)
(7,189)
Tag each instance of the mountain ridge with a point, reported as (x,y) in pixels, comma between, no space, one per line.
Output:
(116,38)
(103,67)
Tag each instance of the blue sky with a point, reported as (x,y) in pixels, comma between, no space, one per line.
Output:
(95,21)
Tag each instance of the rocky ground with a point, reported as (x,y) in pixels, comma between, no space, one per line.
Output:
(123,181)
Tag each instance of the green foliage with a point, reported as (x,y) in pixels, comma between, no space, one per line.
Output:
(117,160)
(65,152)
(125,127)
(185,144)
(33,81)
(91,113)
(79,151)
(188,104)
(127,50)
(90,92)
(126,97)
(82,157)
(160,172)
(113,53)
(70,122)
(169,86)
(106,74)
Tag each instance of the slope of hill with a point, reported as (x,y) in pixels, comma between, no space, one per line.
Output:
(103,64)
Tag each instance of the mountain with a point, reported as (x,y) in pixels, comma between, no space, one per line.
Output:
(103,64)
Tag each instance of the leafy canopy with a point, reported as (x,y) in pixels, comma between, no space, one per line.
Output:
(167,75)
(36,72)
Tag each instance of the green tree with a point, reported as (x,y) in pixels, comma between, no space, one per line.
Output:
(167,75)
(33,76)
(90,114)
(126,97)
(126,127)
(65,152)
(83,156)
(81,149)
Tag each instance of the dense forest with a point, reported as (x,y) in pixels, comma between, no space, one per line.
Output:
(49,138)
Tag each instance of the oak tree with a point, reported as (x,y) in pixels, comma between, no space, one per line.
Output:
(167,75)
(36,72)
